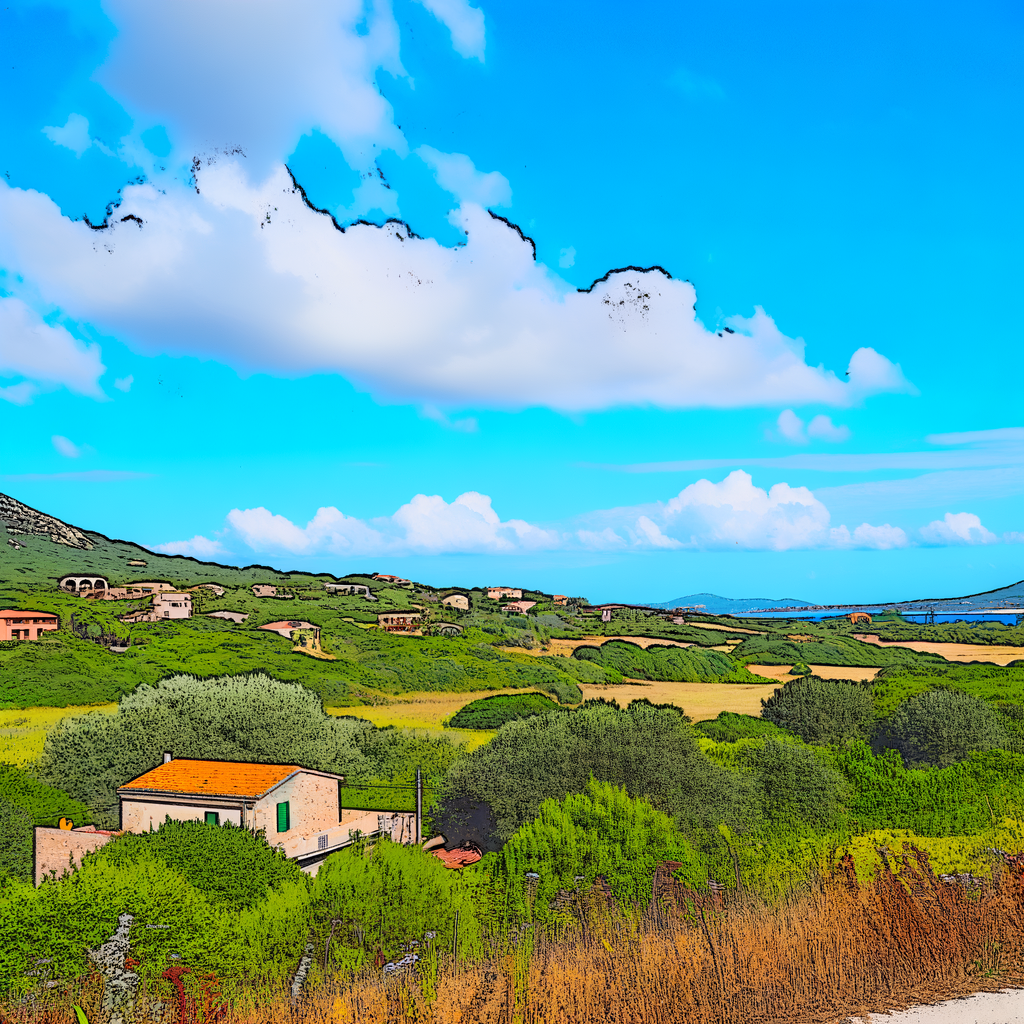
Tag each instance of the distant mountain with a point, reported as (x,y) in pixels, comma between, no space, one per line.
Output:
(715,605)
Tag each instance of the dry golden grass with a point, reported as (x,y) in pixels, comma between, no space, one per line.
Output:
(995,654)
(835,950)
(783,675)
(22,731)
(427,711)
(698,700)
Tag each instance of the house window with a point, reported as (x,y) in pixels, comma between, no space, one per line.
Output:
(321,842)
(284,816)
(212,818)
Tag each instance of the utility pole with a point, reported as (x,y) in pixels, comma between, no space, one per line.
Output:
(419,805)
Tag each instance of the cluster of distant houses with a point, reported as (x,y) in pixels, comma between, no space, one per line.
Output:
(167,602)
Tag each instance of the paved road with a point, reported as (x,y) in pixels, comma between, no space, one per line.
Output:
(984,1008)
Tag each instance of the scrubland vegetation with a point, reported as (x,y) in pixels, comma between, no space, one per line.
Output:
(788,893)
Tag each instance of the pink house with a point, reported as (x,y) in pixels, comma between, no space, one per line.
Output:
(22,625)
(522,607)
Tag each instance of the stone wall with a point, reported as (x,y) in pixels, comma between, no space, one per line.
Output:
(56,849)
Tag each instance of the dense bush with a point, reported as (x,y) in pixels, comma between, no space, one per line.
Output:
(679,664)
(967,797)
(15,841)
(730,726)
(798,788)
(989,682)
(602,831)
(494,712)
(837,650)
(650,751)
(822,710)
(44,804)
(388,898)
(232,866)
(941,727)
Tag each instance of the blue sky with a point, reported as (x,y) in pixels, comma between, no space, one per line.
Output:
(817,395)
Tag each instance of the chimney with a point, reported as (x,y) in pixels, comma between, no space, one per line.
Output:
(167,757)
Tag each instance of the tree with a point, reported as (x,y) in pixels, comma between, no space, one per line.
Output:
(940,727)
(649,751)
(822,710)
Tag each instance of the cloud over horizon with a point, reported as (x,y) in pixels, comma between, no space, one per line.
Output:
(730,515)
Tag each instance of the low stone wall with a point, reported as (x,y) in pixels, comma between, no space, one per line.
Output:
(59,850)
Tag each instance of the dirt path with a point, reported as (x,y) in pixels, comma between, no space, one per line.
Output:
(991,653)
(782,673)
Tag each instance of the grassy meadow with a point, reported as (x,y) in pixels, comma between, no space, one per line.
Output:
(23,730)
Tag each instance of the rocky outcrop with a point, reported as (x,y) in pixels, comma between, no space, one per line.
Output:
(20,519)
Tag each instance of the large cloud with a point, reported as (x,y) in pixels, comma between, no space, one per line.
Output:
(254,277)
(45,356)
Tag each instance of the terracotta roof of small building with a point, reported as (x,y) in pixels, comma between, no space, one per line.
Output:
(213,778)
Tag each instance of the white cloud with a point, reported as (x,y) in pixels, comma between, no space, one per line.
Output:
(958,528)
(823,429)
(791,427)
(425,525)
(66,447)
(732,514)
(567,257)
(218,75)
(465,23)
(867,536)
(74,135)
(251,276)
(47,356)
(456,173)
(198,547)
(124,383)
(1013,537)
(652,534)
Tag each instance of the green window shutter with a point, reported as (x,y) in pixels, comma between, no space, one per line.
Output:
(283,817)
(212,818)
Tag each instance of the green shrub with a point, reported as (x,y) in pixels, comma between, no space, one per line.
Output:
(679,664)
(391,897)
(232,866)
(822,710)
(730,726)
(494,712)
(601,831)
(941,727)
(46,805)
(16,838)
(799,790)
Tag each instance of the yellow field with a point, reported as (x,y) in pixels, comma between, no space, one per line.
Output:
(22,732)
(698,700)
(783,675)
(427,711)
(995,654)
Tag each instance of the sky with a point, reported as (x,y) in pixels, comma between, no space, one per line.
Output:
(626,303)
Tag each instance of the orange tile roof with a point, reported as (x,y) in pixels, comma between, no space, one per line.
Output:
(213,778)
